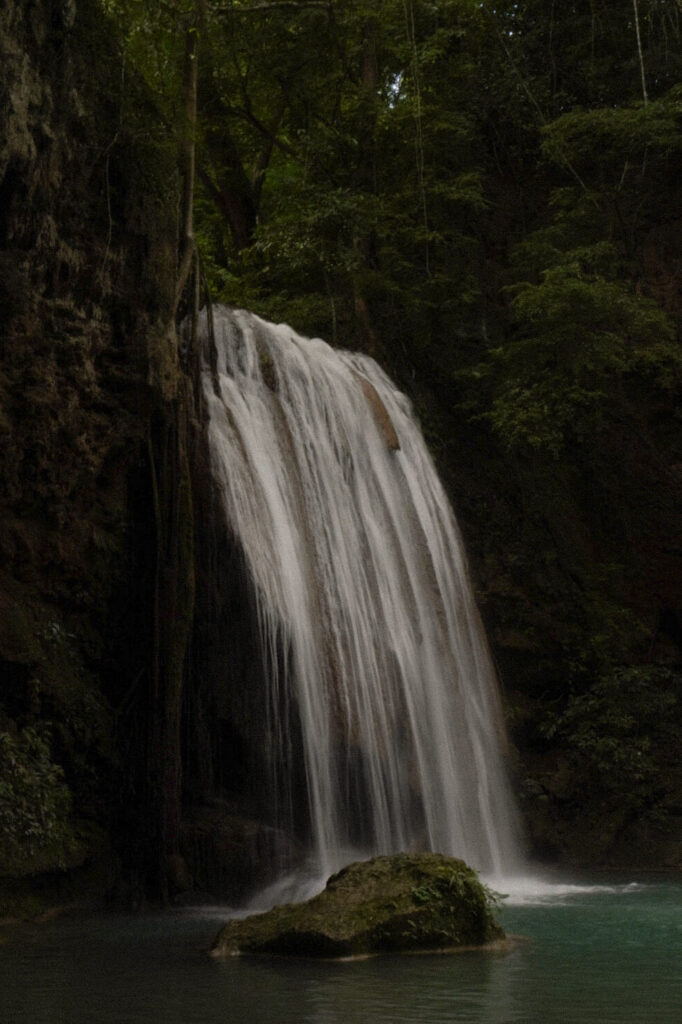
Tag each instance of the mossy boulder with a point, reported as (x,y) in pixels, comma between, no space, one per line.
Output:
(401,903)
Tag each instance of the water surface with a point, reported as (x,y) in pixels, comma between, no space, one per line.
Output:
(606,954)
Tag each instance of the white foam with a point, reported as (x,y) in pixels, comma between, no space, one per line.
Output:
(551,891)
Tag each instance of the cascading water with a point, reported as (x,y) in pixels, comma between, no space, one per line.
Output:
(377,665)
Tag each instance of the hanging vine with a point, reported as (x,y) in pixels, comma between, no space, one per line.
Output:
(419,131)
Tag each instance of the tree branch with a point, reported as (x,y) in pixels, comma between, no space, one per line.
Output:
(271,5)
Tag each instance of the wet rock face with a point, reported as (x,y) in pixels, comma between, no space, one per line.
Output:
(86,278)
(229,856)
(402,903)
(74,323)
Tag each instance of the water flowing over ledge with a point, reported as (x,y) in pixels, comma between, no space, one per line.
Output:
(383,728)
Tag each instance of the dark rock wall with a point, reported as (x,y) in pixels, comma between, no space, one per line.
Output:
(87,271)
(110,536)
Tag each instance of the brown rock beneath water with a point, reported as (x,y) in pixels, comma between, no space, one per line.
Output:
(229,855)
(380,413)
(402,903)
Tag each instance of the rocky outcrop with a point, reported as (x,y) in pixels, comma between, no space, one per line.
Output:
(380,413)
(404,903)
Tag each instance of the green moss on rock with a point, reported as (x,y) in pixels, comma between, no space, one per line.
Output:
(402,903)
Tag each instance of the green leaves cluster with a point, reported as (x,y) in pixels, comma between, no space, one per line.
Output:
(464,884)
(617,732)
(579,339)
(589,339)
(35,802)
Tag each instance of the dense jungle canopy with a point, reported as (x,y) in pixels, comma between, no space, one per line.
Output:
(486,196)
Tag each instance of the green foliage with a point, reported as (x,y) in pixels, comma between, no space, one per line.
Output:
(579,338)
(605,137)
(464,884)
(615,733)
(425,893)
(153,40)
(338,171)
(35,802)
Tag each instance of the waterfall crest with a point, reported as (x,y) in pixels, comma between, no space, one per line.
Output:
(382,702)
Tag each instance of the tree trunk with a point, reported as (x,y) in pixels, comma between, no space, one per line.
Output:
(171,485)
(173,618)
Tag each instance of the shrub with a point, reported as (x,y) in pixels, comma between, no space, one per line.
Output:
(35,802)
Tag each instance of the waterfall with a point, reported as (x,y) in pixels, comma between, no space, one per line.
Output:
(382,709)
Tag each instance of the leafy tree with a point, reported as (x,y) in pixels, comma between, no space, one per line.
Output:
(581,339)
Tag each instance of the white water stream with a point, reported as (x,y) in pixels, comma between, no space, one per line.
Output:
(368,627)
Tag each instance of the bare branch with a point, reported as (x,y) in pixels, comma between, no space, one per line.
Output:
(272,5)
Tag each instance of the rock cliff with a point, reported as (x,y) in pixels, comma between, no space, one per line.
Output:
(88,373)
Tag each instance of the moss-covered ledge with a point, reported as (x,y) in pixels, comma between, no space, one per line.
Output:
(398,904)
